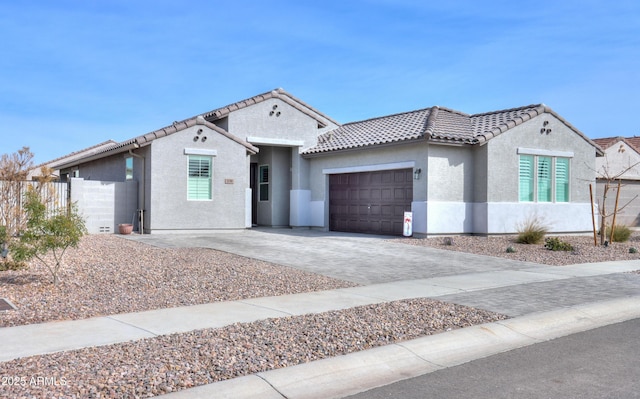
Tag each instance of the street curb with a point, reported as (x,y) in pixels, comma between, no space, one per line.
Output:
(345,375)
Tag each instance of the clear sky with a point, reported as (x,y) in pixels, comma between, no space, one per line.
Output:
(77,73)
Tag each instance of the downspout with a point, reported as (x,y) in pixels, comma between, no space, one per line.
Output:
(144,187)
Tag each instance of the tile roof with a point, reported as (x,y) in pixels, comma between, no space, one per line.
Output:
(206,118)
(388,129)
(606,142)
(436,124)
(76,154)
(281,94)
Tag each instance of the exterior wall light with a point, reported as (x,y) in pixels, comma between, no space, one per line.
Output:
(416,173)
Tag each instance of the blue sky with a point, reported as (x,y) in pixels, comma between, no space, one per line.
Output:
(77,73)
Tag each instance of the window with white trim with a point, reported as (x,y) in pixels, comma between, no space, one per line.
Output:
(543,178)
(199,178)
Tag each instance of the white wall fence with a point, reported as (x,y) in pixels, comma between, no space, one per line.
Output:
(104,205)
(12,193)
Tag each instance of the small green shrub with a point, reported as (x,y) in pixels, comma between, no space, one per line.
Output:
(621,233)
(8,264)
(511,250)
(556,244)
(532,231)
(633,250)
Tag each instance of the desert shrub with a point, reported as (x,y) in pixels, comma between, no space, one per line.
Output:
(532,231)
(6,262)
(633,250)
(621,233)
(511,250)
(556,244)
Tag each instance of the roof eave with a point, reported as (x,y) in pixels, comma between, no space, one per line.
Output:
(113,151)
(322,119)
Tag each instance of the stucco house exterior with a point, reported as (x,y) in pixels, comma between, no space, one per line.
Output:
(195,175)
(477,174)
(620,163)
(273,160)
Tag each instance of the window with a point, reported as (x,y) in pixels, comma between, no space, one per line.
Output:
(199,180)
(543,178)
(263,183)
(128,168)
(526,178)
(562,179)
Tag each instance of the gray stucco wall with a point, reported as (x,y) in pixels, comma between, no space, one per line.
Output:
(108,169)
(503,159)
(169,209)
(283,122)
(502,212)
(281,132)
(275,211)
(451,173)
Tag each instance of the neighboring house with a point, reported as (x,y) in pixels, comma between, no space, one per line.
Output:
(621,163)
(54,164)
(273,160)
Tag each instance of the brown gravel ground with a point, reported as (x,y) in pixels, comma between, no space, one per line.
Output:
(108,275)
(169,363)
(584,249)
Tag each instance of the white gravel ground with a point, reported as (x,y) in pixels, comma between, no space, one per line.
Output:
(108,275)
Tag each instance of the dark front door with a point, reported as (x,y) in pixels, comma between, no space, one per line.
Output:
(370,202)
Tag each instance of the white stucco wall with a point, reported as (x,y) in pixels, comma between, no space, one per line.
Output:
(104,204)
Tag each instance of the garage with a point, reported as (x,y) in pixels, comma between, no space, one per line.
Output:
(370,202)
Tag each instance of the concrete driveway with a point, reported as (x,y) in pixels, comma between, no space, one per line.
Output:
(363,259)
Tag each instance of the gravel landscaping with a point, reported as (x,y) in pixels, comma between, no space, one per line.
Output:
(109,275)
(168,363)
(584,249)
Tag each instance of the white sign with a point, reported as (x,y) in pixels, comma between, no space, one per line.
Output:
(407,229)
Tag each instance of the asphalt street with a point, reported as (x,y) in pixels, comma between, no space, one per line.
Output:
(599,363)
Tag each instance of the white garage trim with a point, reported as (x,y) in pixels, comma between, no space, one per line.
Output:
(369,168)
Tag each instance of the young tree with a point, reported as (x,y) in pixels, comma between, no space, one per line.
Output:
(47,233)
(611,177)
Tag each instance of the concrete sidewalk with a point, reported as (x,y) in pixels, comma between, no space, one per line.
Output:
(545,302)
(51,337)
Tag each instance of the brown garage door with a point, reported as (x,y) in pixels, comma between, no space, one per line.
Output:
(370,202)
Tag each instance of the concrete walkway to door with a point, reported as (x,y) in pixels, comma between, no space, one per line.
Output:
(359,258)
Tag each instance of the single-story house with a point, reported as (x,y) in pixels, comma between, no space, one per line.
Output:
(620,163)
(273,160)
